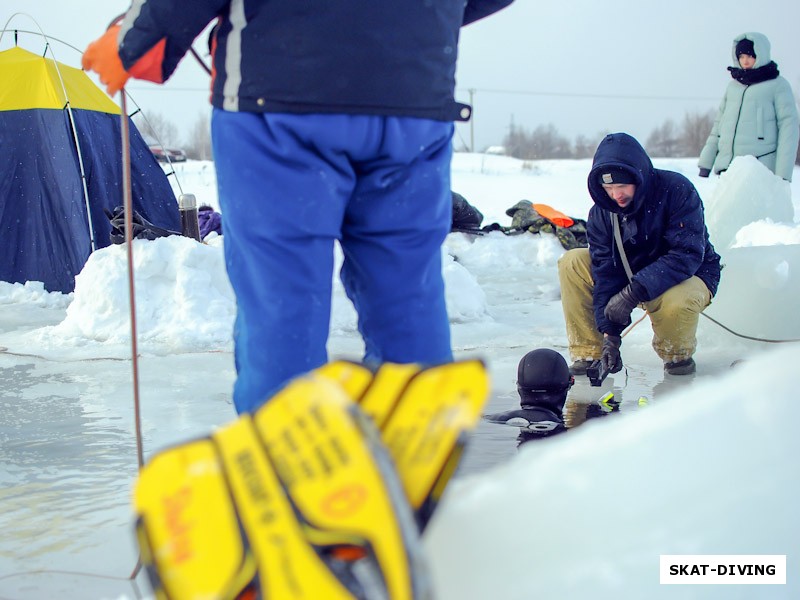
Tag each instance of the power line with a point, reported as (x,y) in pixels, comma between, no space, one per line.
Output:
(584,95)
(166,89)
(492,91)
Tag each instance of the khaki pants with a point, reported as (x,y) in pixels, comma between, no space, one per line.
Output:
(674,314)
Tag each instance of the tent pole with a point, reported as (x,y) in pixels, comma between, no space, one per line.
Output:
(77,148)
(83,178)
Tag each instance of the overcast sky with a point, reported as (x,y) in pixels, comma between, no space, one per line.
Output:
(586,66)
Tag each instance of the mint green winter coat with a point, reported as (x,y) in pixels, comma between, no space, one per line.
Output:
(758,120)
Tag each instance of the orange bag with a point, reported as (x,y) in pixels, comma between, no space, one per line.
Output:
(554,216)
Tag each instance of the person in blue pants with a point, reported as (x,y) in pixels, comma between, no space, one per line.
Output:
(361,183)
(331,121)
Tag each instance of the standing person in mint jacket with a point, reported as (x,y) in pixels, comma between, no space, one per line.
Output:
(332,120)
(757,115)
(675,270)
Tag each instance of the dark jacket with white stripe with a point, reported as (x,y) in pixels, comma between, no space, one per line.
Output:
(663,230)
(369,57)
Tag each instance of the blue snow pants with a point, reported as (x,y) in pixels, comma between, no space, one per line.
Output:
(289,187)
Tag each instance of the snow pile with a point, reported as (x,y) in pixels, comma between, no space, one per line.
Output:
(750,220)
(32,293)
(766,233)
(184,301)
(465,300)
(758,291)
(747,192)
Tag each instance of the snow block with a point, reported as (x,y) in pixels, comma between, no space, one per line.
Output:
(747,192)
(758,291)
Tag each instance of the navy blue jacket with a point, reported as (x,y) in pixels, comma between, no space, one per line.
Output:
(373,57)
(663,230)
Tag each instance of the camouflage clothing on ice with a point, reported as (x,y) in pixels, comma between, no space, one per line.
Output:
(524,217)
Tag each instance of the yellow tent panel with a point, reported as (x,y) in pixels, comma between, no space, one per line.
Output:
(29,81)
(62,171)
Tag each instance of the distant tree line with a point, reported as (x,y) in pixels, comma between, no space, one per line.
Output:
(198,146)
(546,142)
(685,140)
(158,129)
(667,140)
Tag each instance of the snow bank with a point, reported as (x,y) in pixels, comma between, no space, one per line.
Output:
(747,192)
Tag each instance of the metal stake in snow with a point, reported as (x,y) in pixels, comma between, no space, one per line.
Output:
(127,205)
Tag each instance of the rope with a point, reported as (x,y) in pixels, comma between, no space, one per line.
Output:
(628,330)
(203,65)
(726,328)
(626,265)
(132,581)
(748,337)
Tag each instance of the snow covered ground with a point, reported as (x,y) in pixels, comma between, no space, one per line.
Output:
(705,466)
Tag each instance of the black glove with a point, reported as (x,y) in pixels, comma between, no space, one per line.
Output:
(611,359)
(705,172)
(621,305)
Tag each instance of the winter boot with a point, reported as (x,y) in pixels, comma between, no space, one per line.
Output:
(580,366)
(680,367)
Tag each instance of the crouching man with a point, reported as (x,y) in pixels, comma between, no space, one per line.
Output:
(649,246)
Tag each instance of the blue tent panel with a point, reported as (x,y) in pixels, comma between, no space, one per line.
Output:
(44,229)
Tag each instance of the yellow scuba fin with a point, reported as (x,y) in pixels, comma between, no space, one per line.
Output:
(427,431)
(344,490)
(424,415)
(187,526)
(298,501)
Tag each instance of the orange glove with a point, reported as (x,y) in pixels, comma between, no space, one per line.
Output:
(101,56)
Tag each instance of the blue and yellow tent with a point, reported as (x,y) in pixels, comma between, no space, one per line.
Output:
(61,165)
